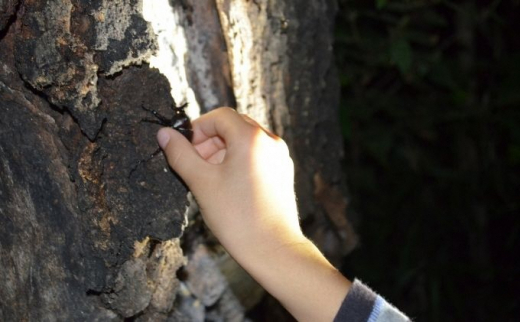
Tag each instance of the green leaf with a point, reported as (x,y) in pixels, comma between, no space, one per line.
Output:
(441,75)
(345,121)
(380,4)
(514,155)
(459,96)
(401,54)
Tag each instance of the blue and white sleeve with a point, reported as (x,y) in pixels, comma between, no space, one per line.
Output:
(363,305)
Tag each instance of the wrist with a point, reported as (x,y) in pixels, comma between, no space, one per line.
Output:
(251,247)
(300,277)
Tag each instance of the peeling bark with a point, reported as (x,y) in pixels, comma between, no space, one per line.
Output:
(62,46)
(88,233)
(7,11)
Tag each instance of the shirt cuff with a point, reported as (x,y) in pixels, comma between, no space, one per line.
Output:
(362,305)
(358,304)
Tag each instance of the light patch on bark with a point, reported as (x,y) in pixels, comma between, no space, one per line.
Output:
(113,20)
(200,66)
(141,247)
(52,70)
(171,56)
(148,280)
(257,48)
(168,259)
(112,24)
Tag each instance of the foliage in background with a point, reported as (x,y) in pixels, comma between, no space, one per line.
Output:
(431,120)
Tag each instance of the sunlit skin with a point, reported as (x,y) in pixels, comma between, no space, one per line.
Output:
(243,179)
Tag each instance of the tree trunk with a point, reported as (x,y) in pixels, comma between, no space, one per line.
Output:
(86,232)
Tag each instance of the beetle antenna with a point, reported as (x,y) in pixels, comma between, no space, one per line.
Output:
(180,108)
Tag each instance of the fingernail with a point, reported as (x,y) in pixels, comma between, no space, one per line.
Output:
(163,137)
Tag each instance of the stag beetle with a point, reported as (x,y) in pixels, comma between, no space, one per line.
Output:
(180,122)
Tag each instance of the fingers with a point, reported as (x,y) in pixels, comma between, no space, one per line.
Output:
(210,147)
(254,123)
(182,156)
(223,122)
(227,124)
(217,134)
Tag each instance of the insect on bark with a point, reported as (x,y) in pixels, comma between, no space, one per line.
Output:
(179,121)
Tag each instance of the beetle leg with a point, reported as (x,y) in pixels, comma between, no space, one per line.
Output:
(157,115)
(142,161)
(155,153)
(164,124)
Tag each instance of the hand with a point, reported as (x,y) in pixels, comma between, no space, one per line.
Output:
(241,176)
(243,179)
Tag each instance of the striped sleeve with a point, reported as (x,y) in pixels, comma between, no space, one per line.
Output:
(364,305)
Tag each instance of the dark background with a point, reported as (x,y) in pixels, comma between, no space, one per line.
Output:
(431,121)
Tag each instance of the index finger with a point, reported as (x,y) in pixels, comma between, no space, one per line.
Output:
(225,123)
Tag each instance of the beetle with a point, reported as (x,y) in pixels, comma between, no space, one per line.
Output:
(180,122)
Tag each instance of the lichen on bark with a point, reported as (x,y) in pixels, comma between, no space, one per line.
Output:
(62,47)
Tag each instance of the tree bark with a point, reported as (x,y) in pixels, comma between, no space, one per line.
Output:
(82,236)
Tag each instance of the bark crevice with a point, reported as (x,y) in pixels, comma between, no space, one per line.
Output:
(82,240)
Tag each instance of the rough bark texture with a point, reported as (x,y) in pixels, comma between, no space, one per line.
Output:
(283,75)
(7,10)
(88,233)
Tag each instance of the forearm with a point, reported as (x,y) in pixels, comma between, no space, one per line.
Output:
(299,276)
(243,179)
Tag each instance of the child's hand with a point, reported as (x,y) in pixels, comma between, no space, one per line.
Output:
(241,176)
(243,179)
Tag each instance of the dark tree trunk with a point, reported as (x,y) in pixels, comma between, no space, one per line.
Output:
(82,235)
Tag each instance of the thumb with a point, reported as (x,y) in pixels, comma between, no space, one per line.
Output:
(181,155)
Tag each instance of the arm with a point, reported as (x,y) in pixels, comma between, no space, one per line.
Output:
(243,179)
